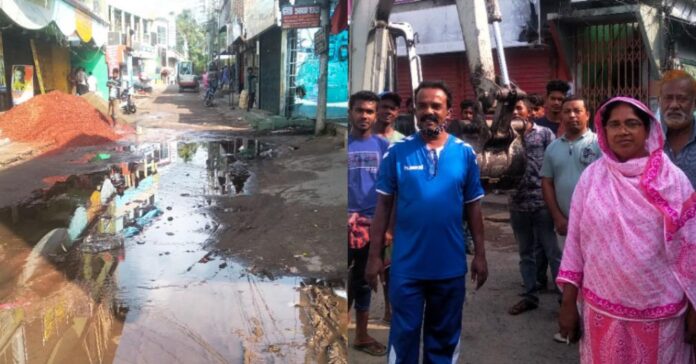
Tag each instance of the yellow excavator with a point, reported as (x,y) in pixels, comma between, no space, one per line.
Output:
(499,146)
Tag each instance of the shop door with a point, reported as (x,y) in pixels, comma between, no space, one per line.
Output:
(611,60)
(269,71)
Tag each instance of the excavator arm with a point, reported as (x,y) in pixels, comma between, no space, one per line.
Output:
(500,151)
(373,48)
(369,45)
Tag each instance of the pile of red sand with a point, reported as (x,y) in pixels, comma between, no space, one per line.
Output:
(59,120)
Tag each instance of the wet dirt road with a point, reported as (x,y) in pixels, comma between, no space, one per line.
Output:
(133,263)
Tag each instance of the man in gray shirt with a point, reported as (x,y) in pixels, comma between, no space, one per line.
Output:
(566,158)
(677,105)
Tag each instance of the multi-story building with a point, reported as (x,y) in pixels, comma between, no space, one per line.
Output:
(165,42)
(141,44)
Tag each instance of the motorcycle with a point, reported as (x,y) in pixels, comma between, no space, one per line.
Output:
(127,104)
(209,96)
(142,84)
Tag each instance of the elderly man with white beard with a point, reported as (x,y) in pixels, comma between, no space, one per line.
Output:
(677,104)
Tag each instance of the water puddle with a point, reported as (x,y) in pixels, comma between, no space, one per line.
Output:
(121,266)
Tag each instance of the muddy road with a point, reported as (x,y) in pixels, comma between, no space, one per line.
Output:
(193,241)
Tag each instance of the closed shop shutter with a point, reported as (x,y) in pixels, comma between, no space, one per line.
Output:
(530,69)
(449,67)
(269,70)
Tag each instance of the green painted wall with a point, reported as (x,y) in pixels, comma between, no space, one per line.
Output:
(93,60)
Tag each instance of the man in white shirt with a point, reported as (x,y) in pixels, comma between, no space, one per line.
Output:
(92,83)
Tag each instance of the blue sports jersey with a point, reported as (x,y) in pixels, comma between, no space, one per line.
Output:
(364,157)
(429,241)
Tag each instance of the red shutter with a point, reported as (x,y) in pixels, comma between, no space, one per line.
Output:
(448,67)
(529,68)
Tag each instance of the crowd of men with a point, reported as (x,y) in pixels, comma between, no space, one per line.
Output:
(413,201)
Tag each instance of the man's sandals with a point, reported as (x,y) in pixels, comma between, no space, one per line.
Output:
(522,306)
(373,348)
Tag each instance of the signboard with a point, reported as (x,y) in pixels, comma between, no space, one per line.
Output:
(320,45)
(300,17)
(3,82)
(114,57)
(22,83)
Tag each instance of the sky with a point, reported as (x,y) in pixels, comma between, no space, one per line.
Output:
(153,7)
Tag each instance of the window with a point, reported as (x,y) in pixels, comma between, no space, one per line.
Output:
(161,35)
(116,22)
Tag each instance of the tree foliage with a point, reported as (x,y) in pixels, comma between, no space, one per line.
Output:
(195,36)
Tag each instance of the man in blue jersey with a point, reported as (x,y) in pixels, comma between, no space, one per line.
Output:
(365,151)
(429,175)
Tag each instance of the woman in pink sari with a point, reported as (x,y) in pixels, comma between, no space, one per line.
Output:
(630,253)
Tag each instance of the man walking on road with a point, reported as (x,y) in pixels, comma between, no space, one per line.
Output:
(365,152)
(677,105)
(434,179)
(530,218)
(114,85)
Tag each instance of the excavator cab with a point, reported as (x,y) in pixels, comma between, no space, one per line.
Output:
(499,146)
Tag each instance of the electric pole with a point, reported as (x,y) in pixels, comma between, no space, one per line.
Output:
(323,69)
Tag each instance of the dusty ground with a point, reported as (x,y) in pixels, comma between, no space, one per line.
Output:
(490,335)
(294,219)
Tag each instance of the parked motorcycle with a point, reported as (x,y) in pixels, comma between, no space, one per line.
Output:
(142,84)
(127,104)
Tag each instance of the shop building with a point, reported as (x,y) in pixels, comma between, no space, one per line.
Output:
(48,39)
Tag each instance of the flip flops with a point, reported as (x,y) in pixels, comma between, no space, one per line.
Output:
(372,348)
(522,306)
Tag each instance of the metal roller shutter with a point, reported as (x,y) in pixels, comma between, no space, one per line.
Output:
(269,70)
(531,69)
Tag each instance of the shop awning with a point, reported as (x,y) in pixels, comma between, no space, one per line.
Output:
(70,20)
(28,15)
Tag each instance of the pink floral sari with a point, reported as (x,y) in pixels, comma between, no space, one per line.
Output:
(631,251)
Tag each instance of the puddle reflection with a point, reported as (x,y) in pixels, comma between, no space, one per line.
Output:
(121,266)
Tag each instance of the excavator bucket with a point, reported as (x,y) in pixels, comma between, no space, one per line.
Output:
(500,150)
